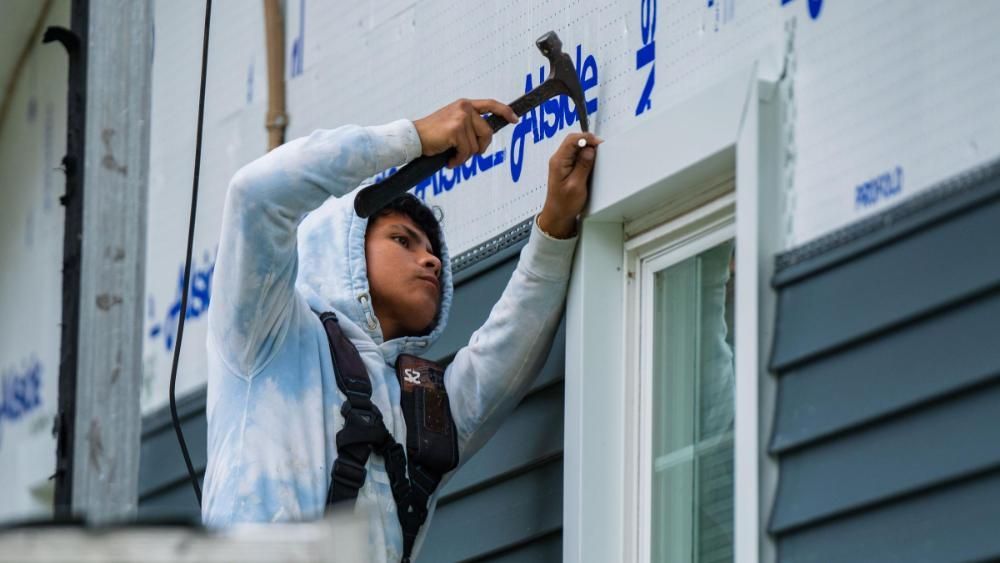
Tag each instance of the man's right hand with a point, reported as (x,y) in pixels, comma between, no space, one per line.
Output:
(460,125)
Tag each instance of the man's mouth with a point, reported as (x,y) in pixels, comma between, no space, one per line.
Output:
(431,280)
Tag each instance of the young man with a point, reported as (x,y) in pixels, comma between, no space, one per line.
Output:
(292,248)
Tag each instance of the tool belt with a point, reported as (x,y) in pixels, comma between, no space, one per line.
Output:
(431,439)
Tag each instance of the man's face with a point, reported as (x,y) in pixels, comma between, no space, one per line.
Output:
(404,276)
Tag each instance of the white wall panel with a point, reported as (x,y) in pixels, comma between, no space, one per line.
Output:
(888,98)
(32,144)
(901,90)
(372,62)
(234,134)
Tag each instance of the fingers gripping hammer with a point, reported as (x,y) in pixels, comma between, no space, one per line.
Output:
(562,80)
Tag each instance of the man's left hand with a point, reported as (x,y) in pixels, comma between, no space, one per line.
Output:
(569,172)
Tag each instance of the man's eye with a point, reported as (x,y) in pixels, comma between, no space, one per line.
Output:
(401,240)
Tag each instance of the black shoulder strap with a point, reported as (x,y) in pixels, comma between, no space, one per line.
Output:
(363,427)
(431,443)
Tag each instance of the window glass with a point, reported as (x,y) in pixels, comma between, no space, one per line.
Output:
(693,407)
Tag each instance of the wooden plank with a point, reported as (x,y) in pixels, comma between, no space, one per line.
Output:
(533,432)
(954,523)
(901,456)
(881,290)
(936,356)
(161,464)
(545,549)
(112,285)
(499,517)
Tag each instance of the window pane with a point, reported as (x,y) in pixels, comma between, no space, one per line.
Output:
(693,381)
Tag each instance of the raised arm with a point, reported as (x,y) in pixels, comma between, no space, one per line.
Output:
(492,373)
(254,279)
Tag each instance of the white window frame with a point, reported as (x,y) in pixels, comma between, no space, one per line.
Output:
(666,245)
(660,165)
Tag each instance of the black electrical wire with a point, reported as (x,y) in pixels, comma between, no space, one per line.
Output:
(187,260)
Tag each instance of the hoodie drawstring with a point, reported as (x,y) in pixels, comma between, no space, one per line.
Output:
(366,303)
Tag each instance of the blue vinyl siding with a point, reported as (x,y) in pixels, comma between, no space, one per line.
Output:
(887,354)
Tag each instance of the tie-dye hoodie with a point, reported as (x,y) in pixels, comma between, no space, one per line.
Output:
(292,246)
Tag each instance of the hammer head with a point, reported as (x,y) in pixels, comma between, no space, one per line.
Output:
(564,74)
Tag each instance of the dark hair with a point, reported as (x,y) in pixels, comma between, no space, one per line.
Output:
(423,216)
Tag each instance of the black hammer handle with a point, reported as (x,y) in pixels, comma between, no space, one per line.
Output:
(376,196)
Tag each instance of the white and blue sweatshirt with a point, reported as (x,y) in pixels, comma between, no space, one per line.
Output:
(292,247)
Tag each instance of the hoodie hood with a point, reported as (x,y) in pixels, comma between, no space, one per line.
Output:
(333,274)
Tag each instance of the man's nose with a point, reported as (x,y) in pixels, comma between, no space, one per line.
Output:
(432,262)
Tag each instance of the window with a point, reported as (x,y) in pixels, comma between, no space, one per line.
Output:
(683,314)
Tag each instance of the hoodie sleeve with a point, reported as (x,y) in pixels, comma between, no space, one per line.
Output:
(490,375)
(254,280)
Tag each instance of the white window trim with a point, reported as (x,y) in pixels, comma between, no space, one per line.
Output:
(715,133)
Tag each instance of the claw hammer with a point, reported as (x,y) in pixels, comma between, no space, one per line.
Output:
(562,80)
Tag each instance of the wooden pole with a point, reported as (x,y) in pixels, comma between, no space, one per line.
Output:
(277,119)
(107,421)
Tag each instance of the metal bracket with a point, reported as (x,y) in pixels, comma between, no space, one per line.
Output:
(69,40)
